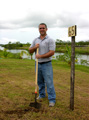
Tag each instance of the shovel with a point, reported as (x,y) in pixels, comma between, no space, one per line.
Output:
(36,104)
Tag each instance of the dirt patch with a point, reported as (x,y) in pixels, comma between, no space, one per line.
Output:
(21,112)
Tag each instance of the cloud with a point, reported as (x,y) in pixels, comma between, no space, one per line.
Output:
(64,19)
(7,40)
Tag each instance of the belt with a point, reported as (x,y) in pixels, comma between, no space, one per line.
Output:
(44,62)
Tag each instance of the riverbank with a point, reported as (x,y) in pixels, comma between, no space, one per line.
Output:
(78,50)
(17,78)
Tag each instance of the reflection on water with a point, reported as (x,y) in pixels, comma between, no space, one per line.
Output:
(14,51)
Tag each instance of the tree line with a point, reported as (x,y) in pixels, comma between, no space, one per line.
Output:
(59,42)
(80,43)
(16,45)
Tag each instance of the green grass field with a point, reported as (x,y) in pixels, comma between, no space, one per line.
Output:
(17,86)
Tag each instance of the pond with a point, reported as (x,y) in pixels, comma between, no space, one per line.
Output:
(1,48)
(80,57)
(83,57)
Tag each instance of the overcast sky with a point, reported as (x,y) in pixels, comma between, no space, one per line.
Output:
(19,19)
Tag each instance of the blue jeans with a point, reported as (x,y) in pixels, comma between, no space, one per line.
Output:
(45,77)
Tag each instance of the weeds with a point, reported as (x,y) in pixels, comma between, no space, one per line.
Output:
(67,56)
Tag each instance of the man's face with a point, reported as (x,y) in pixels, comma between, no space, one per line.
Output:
(42,30)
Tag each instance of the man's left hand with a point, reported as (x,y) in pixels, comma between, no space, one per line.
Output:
(38,56)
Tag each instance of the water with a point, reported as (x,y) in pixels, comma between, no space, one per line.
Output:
(80,57)
(19,51)
(84,57)
(1,48)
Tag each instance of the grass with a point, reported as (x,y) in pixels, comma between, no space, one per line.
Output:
(79,50)
(82,50)
(17,86)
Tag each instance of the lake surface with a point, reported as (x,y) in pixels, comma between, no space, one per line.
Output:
(1,48)
(84,57)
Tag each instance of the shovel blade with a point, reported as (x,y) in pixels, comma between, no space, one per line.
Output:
(35,105)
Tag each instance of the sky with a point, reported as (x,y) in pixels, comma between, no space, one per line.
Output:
(19,19)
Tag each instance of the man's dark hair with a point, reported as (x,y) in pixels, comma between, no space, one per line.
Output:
(43,24)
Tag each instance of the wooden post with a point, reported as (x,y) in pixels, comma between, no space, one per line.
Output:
(72,34)
(72,77)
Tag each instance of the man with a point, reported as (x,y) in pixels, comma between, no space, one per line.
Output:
(46,47)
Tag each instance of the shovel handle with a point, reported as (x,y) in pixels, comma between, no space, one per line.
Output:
(36,72)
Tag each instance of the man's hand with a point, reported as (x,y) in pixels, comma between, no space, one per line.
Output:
(38,56)
(46,55)
(31,50)
(37,46)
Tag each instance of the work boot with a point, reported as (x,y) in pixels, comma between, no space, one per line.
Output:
(39,98)
(51,104)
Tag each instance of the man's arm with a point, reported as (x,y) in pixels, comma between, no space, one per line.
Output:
(46,55)
(32,49)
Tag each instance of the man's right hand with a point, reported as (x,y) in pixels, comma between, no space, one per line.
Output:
(37,46)
(31,50)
